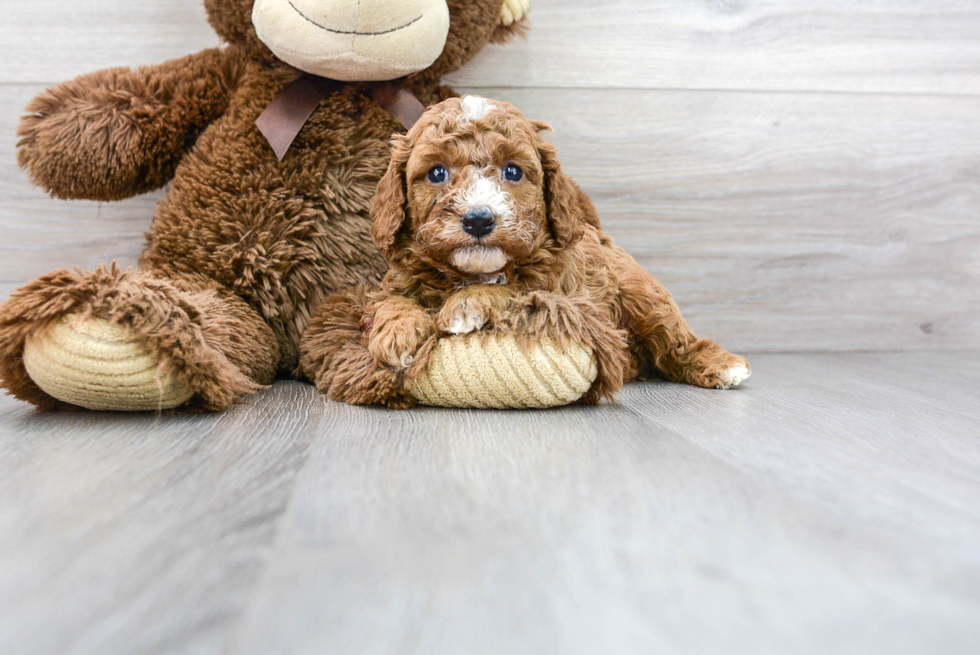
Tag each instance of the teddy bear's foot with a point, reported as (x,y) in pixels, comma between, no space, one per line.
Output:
(96,365)
(135,340)
(498,372)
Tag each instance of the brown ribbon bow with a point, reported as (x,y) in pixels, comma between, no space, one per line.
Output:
(283,119)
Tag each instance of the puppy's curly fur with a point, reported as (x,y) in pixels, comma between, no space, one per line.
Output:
(536,264)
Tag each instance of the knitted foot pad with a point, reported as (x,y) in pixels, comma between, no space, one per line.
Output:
(513,11)
(495,372)
(100,366)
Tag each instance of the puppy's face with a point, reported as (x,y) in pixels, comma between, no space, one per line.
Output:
(475,180)
(475,187)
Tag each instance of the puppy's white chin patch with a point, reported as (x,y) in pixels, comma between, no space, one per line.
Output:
(479,259)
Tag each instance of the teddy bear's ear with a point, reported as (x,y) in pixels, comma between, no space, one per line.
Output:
(512,22)
(388,205)
(567,213)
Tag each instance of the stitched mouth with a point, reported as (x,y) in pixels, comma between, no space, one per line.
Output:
(352,32)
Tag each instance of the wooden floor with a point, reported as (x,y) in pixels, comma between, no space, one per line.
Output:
(829,506)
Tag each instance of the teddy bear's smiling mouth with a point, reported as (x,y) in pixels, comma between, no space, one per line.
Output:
(352,32)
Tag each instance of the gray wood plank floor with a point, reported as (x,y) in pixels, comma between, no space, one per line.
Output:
(830,505)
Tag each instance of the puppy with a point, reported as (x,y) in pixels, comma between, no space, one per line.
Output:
(483,231)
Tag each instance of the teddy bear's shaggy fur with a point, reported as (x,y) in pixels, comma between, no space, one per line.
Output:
(483,231)
(243,248)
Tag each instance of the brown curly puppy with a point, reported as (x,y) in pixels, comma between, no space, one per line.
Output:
(483,231)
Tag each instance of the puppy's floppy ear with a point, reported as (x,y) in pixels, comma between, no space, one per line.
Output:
(388,206)
(566,213)
(512,21)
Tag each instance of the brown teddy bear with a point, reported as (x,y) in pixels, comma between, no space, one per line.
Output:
(244,246)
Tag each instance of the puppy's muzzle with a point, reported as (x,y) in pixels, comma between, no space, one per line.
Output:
(478,222)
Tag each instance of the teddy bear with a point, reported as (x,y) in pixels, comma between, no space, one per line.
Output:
(258,224)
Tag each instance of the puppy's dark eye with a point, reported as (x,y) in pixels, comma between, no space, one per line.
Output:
(438,175)
(513,173)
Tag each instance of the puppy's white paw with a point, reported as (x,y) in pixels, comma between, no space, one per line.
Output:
(404,361)
(394,344)
(464,322)
(734,376)
(399,361)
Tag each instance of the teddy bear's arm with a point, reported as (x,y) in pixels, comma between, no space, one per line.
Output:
(120,132)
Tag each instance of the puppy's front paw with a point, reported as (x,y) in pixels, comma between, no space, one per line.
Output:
(472,308)
(395,342)
(460,318)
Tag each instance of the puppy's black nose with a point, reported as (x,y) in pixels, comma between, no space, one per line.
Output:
(478,222)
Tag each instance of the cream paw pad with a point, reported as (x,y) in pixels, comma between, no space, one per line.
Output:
(96,365)
(495,372)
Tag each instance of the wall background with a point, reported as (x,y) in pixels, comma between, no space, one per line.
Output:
(803,175)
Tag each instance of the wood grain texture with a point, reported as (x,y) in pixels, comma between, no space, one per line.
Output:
(779,221)
(39,234)
(788,221)
(47,41)
(141,534)
(828,506)
(904,46)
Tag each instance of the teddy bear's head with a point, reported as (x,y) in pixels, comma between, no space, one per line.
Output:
(367,40)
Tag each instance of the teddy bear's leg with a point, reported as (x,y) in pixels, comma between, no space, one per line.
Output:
(334,355)
(575,318)
(665,339)
(98,339)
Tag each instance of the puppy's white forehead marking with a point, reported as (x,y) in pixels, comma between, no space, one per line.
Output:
(475,108)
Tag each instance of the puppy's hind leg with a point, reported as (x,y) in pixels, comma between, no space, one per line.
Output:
(664,337)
